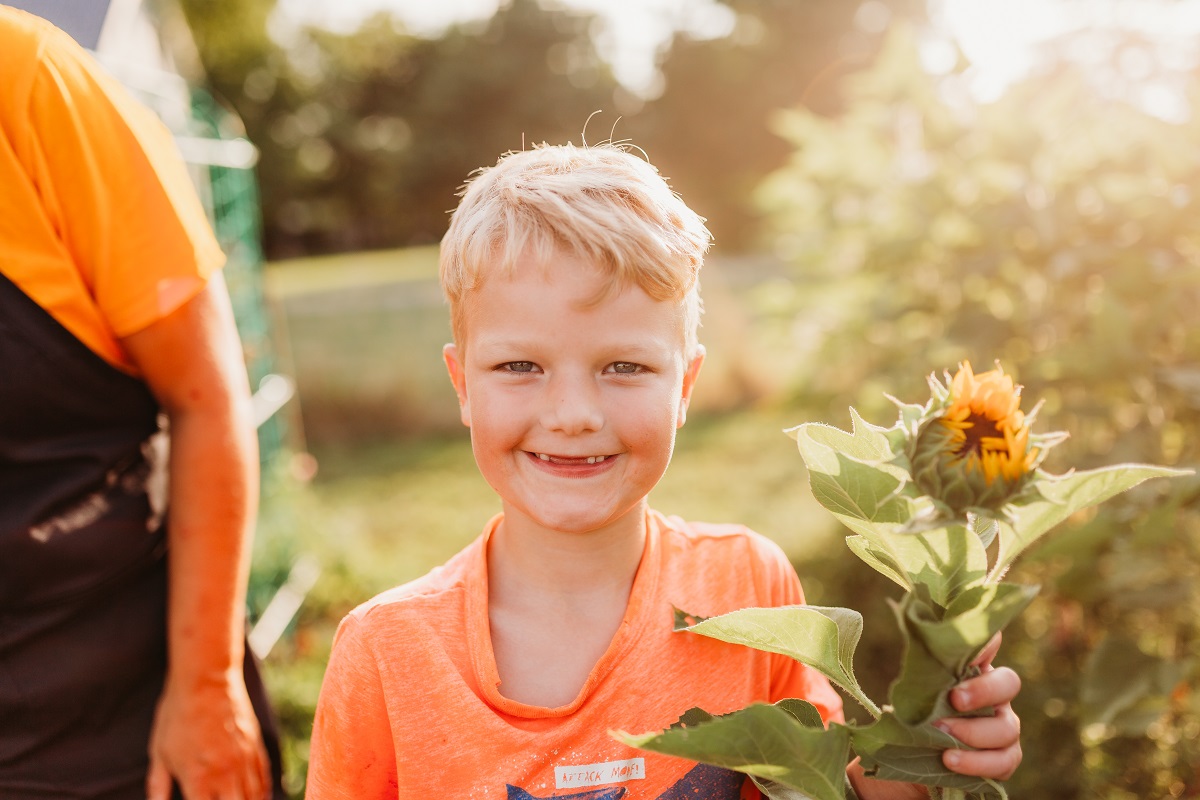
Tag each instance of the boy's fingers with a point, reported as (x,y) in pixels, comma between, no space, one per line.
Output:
(986,733)
(998,765)
(993,688)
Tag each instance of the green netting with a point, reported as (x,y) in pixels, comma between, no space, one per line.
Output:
(231,197)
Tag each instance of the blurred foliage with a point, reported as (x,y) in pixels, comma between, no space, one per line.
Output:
(708,130)
(366,137)
(1056,230)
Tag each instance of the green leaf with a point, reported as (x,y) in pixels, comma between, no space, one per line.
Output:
(777,791)
(762,741)
(985,529)
(939,648)
(879,560)
(946,560)
(1063,495)
(911,416)
(891,750)
(851,474)
(820,637)
(804,712)
(864,442)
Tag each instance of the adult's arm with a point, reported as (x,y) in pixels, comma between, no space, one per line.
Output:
(205,733)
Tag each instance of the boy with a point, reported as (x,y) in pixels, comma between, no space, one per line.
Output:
(571,275)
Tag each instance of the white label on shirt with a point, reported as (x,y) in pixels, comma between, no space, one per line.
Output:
(633,769)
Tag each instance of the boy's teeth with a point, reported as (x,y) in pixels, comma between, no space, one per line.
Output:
(589,459)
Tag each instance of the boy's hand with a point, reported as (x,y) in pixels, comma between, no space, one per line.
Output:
(997,738)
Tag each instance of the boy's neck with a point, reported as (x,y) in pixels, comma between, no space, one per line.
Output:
(546,587)
(524,554)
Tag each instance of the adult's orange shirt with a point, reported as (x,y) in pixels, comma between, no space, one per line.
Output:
(100,223)
(411,703)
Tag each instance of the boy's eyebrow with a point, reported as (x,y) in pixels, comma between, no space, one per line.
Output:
(640,347)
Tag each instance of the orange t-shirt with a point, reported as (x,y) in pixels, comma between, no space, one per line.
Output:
(410,705)
(100,223)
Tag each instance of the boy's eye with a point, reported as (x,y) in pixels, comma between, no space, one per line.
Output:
(519,366)
(626,368)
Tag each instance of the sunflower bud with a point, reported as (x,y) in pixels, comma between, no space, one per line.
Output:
(973,448)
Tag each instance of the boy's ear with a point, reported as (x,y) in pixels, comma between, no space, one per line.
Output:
(458,377)
(689,383)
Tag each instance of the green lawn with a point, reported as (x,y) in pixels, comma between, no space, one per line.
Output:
(300,276)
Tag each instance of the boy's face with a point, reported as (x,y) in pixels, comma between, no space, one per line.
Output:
(572,404)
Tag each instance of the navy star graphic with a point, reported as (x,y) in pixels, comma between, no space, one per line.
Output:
(515,793)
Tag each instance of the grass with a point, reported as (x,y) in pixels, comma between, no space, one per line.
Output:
(316,274)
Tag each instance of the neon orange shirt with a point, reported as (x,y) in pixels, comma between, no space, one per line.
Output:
(100,223)
(410,705)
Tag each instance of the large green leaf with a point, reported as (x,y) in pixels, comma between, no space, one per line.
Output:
(823,638)
(891,750)
(1063,495)
(938,648)
(864,442)
(946,560)
(856,477)
(852,474)
(766,742)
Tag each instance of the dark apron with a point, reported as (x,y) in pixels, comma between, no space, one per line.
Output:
(83,567)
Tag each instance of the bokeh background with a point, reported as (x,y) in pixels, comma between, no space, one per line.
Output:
(895,186)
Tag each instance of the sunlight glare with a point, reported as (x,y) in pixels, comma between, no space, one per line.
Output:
(1005,42)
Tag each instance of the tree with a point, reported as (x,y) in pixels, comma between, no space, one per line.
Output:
(366,137)
(709,130)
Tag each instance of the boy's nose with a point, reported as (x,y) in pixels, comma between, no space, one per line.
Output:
(572,407)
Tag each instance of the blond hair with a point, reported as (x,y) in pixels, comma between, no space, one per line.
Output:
(598,203)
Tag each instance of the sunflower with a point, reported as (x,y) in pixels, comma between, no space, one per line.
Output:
(975,450)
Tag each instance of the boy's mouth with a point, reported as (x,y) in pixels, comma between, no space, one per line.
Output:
(571,460)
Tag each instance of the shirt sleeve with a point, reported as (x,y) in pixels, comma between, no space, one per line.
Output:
(115,188)
(352,752)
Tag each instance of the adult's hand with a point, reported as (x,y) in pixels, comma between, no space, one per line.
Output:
(206,738)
